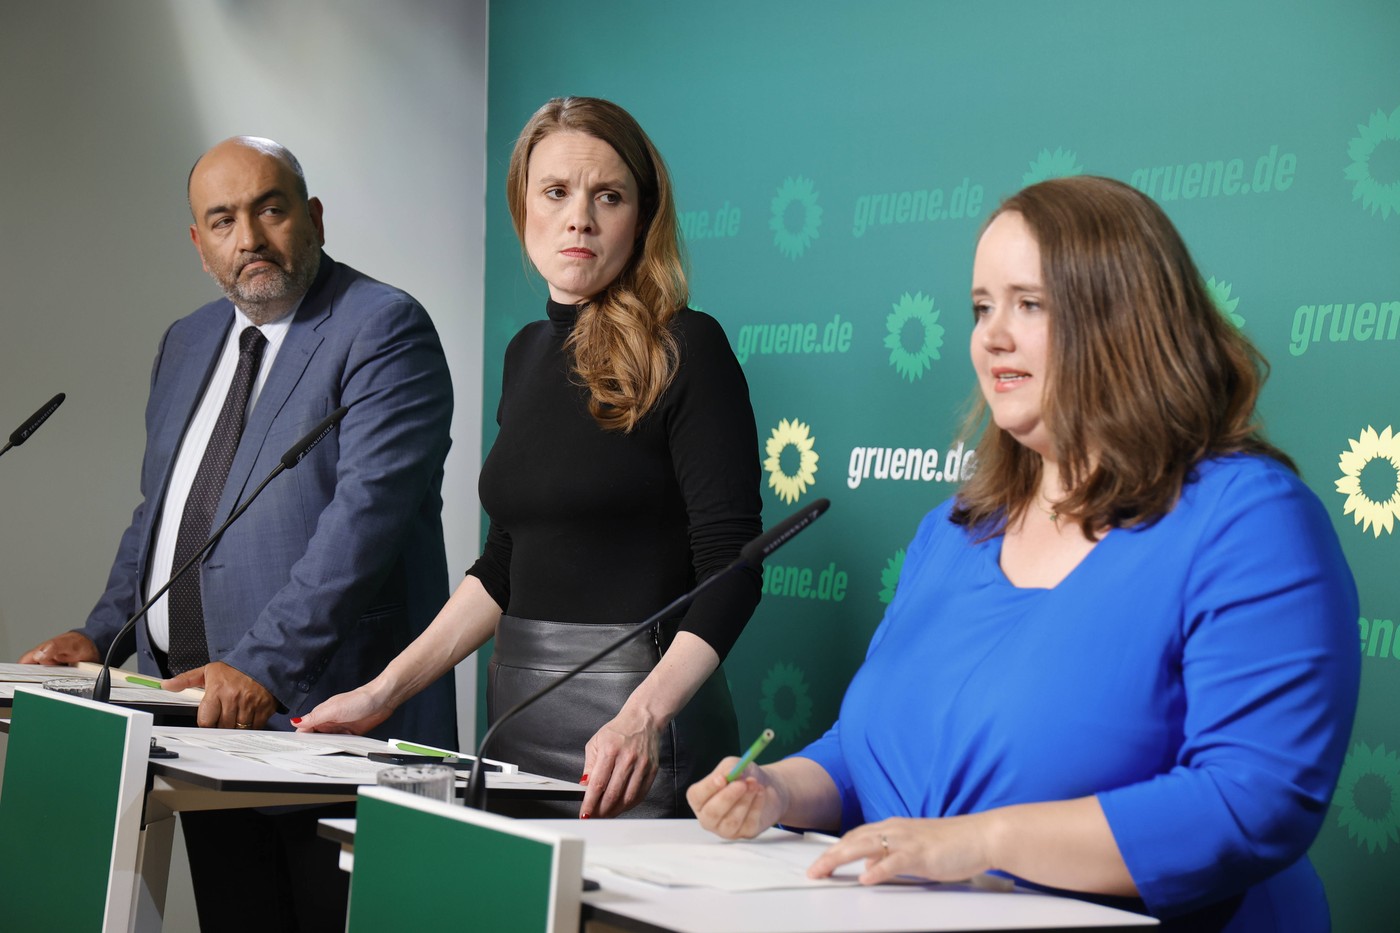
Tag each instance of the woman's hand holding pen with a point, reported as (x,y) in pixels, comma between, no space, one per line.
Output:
(738,809)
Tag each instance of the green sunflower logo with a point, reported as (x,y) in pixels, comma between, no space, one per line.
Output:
(915,336)
(793,440)
(793,234)
(1371,480)
(1368,797)
(1058,164)
(1220,294)
(786,702)
(889,577)
(1376,190)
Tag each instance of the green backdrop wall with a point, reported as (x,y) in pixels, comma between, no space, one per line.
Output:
(833,163)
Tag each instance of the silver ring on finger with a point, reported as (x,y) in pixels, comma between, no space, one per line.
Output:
(885,844)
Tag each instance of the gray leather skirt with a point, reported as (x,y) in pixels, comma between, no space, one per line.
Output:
(549,737)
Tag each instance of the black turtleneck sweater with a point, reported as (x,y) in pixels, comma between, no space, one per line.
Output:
(596,526)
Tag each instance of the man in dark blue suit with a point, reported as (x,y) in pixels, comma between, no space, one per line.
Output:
(337,566)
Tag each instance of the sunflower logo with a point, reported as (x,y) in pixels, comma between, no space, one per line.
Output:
(1368,797)
(1371,480)
(794,435)
(1057,164)
(1220,294)
(889,577)
(786,702)
(794,238)
(1376,193)
(915,336)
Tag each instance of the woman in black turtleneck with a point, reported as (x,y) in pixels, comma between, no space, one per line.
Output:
(625,471)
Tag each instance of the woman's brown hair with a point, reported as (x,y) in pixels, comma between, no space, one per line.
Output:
(1146,376)
(622,345)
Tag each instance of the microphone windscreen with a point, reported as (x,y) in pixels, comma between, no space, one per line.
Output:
(756,551)
(298,451)
(21,433)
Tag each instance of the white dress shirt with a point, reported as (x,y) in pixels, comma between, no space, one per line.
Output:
(187,461)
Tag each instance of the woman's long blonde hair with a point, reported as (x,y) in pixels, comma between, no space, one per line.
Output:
(622,346)
(1146,375)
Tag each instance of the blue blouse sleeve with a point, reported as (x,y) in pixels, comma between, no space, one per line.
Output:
(1270,671)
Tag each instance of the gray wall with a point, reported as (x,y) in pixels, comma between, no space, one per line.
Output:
(104,107)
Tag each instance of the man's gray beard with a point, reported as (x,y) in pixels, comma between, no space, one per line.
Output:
(271,295)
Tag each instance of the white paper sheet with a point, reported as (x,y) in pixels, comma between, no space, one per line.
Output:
(776,859)
(35,673)
(334,766)
(120,694)
(252,743)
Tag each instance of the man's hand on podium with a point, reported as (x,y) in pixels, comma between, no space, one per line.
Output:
(232,699)
(68,648)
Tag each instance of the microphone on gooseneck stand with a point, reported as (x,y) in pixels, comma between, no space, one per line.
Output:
(751,555)
(21,433)
(102,686)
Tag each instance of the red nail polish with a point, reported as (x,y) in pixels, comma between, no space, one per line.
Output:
(297,720)
(583,816)
(583,780)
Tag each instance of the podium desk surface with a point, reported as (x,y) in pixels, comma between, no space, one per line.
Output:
(217,770)
(222,780)
(639,906)
(154,704)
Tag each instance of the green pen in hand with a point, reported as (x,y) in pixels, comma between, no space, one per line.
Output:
(756,749)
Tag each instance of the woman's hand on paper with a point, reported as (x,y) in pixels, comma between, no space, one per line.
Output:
(950,849)
(356,711)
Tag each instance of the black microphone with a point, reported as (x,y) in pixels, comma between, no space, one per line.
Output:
(761,548)
(751,555)
(21,433)
(102,686)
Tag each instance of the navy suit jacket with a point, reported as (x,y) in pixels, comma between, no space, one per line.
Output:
(340,563)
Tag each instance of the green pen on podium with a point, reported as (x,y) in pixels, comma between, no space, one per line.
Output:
(756,749)
(416,749)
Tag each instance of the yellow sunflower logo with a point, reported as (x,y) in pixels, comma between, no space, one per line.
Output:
(793,439)
(1220,294)
(1058,164)
(1375,194)
(1371,480)
(786,702)
(1368,797)
(889,577)
(793,235)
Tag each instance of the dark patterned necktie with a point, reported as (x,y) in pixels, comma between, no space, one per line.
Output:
(188,646)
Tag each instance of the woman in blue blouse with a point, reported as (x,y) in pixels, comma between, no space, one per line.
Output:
(1122,660)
